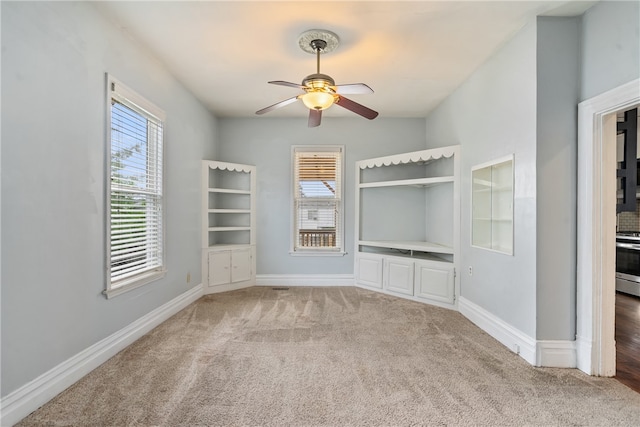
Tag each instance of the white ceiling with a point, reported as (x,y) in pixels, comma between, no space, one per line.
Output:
(412,53)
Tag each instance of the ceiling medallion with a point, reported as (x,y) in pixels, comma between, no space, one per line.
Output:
(330,38)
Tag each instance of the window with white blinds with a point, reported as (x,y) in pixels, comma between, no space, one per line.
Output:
(135,203)
(317,199)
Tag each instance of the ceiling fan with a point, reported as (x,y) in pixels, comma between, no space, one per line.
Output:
(320,90)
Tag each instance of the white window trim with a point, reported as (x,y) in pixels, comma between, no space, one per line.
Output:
(317,251)
(128,96)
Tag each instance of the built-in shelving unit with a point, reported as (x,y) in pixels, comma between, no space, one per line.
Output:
(492,205)
(228,225)
(409,182)
(407,224)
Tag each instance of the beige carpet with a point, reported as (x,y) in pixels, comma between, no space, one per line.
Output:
(330,357)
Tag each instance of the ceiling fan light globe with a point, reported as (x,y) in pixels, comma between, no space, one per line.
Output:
(318,100)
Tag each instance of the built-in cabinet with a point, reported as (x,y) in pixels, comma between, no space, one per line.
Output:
(398,274)
(226,266)
(408,224)
(435,281)
(228,225)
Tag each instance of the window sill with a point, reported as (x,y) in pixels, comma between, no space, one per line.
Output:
(316,253)
(135,282)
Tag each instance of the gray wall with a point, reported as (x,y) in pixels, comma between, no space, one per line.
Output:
(54,56)
(54,59)
(610,46)
(523,100)
(493,114)
(266,143)
(558,91)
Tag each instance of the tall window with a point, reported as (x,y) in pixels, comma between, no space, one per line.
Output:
(317,200)
(135,226)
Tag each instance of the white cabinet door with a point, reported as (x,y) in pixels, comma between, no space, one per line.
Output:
(398,275)
(434,281)
(369,271)
(219,267)
(229,266)
(241,265)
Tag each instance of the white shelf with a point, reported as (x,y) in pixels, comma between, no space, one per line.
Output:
(498,249)
(422,182)
(222,246)
(229,191)
(230,211)
(229,228)
(408,245)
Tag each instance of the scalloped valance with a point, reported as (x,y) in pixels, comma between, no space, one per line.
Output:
(413,157)
(233,167)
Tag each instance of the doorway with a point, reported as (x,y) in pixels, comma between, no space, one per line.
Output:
(627,308)
(595,325)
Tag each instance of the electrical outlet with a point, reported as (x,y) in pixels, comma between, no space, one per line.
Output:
(470,271)
(188,277)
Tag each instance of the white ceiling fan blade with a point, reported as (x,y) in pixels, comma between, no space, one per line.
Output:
(283,83)
(277,105)
(353,89)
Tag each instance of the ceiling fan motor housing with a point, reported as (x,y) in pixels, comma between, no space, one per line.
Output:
(318,81)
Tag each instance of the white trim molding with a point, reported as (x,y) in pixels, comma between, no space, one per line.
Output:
(595,294)
(21,402)
(512,338)
(556,354)
(305,280)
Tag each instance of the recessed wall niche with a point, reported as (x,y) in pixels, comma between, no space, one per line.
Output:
(492,205)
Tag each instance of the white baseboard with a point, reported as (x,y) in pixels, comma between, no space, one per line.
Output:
(228,287)
(21,402)
(409,297)
(556,354)
(515,340)
(547,353)
(305,280)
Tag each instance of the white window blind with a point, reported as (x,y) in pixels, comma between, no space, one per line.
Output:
(135,184)
(317,199)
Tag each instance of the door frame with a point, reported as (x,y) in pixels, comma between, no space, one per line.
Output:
(595,293)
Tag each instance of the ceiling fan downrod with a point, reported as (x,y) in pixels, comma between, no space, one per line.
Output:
(318,46)
(318,82)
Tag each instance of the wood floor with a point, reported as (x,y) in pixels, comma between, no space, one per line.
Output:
(628,340)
